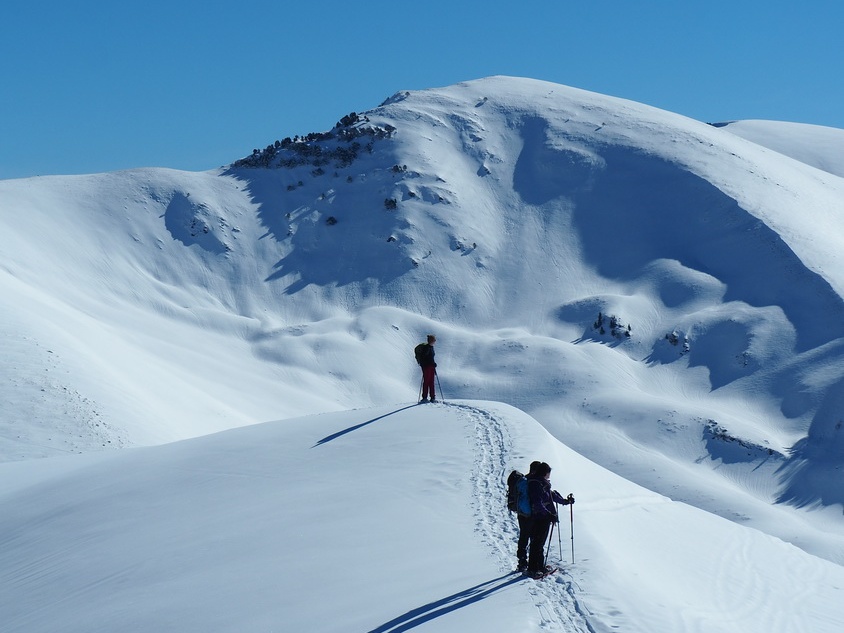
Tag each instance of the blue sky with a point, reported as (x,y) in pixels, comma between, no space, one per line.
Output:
(100,86)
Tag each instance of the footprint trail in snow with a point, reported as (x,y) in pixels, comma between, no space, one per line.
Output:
(555,596)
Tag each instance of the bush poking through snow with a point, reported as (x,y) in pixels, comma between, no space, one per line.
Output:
(339,145)
(674,339)
(617,329)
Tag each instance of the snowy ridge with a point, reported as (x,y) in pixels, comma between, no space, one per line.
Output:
(662,296)
(380,520)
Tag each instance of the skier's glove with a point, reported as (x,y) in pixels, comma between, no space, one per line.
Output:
(570,499)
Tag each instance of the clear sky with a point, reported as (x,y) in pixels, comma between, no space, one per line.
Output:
(93,86)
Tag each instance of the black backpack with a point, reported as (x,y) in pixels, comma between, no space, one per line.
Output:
(421,352)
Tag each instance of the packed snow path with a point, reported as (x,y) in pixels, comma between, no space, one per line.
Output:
(555,596)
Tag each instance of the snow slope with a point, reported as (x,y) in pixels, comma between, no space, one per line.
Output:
(815,145)
(663,296)
(386,519)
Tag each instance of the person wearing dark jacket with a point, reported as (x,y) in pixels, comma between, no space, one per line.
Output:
(543,513)
(525,521)
(429,368)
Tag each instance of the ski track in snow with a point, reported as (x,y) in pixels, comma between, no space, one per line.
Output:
(554,597)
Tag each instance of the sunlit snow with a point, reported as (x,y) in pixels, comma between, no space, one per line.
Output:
(210,417)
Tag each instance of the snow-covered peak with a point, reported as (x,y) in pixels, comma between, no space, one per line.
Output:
(661,295)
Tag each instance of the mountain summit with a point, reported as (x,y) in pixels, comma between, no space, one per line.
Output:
(622,273)
(553,217)
(663,296)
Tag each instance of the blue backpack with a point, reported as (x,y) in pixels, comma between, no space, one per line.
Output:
(517,494)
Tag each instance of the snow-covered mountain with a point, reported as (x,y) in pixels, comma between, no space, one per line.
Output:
(662,295)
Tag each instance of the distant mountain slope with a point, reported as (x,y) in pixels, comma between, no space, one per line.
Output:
(815,145)
(625,274)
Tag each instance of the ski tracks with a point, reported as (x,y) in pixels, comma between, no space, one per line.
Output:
(555,596)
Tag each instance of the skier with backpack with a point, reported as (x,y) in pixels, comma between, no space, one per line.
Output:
(424,353)
(543,513)
(518,501)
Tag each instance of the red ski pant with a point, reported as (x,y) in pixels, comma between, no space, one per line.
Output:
(428,375)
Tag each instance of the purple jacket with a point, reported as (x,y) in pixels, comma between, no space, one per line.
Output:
(542,498)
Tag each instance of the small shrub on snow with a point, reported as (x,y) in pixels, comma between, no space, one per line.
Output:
(616,328)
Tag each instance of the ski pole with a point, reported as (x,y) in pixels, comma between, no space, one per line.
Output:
(571,514)
(559,534)
(439,386)
(550,540)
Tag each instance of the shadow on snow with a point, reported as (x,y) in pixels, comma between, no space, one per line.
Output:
(334,436)
(433,610)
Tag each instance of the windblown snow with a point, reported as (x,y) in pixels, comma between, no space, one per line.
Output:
(651,304)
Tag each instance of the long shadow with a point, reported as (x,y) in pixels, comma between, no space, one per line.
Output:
(334,436)
(433,610)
